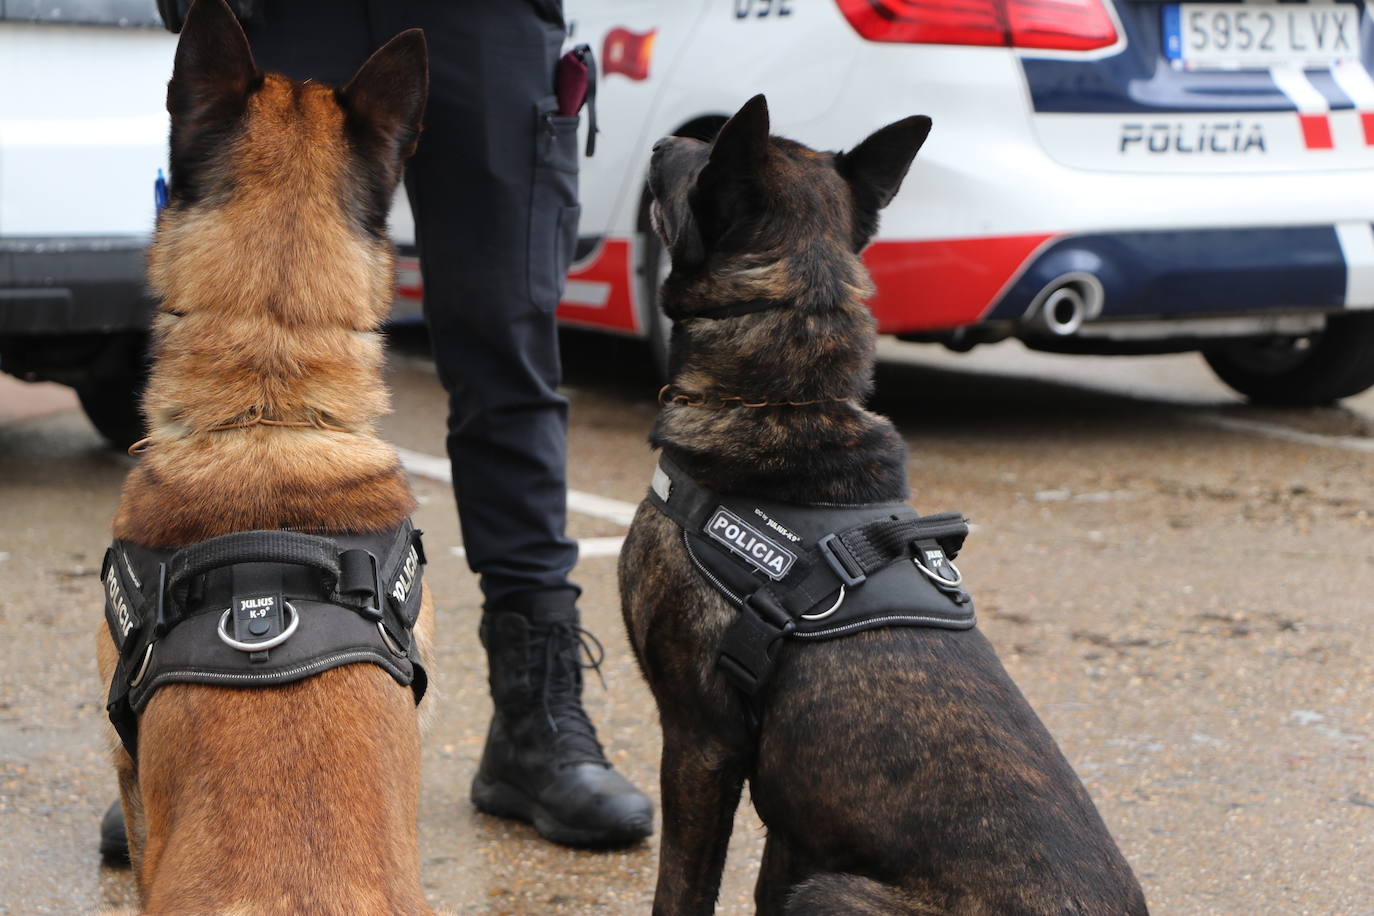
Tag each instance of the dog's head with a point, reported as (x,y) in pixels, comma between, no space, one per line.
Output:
(232,124)
(770,214)
(279,189)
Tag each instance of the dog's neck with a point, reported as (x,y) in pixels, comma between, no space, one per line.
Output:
(266,306)
(284,333)
(218,374)
(822,447)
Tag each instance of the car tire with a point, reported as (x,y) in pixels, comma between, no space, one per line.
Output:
(111,400)
(653,268)
(112,407)
(653,260)
(1334,363)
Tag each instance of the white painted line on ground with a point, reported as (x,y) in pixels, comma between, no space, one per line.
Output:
(1274,431)
(611,510)
(422,465)
(587,548)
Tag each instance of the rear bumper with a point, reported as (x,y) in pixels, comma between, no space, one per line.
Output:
(989,215)
(73,285)
(1201,272)
(1162,274)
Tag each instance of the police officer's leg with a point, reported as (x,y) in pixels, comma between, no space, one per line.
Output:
(325,40)
(493,190)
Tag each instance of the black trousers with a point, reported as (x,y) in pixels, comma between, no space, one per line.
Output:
(493,187)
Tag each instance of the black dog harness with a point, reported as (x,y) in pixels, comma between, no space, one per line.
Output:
(257,609)
(811,572)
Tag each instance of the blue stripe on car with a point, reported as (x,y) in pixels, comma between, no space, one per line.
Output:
(1210,271)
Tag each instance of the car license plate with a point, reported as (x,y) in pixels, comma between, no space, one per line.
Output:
(1237,36)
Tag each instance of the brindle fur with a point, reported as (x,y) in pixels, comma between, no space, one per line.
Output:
(898,770)
(274,273)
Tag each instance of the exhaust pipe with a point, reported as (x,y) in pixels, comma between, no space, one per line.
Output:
(1062,311)
(1065,303)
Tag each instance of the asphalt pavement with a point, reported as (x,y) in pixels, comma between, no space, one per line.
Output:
(1181,584)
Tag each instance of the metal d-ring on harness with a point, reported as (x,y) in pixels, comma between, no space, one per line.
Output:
(259,608)
(828,611)
(803,572)
(143,666)
(270,643)
(939,579)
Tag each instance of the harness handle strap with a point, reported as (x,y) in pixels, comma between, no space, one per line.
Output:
(253,547)
(876,544)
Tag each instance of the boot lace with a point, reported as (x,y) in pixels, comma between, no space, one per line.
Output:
(567,646)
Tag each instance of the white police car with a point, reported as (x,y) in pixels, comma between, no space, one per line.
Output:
(1104,176)
(83,132)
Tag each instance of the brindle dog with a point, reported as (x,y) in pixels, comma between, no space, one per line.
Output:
(274,272)
(898,770)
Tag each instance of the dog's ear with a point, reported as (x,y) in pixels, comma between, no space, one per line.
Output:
(875,169)
(740,148)
(385,100)
(212,77)
(729,185)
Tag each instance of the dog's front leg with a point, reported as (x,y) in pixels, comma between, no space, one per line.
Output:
(701,782)
(777,877)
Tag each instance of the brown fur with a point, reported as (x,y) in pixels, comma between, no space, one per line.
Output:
(301,798)
(900,770)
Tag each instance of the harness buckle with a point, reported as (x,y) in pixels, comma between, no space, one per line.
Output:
(835,555)
(746,654)
(361,583)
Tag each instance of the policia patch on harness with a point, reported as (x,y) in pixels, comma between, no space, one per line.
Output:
(257,609)
(765,555)
(814,572)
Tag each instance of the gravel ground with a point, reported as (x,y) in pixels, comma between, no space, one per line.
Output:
(1181,590)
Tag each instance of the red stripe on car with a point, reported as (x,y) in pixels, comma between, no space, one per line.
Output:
(608,277)
(1367,121)
(1316,131)
(943,283)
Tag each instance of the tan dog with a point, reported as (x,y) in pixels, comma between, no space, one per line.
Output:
(274,272)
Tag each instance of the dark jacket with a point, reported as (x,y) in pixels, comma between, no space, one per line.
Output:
(173,12)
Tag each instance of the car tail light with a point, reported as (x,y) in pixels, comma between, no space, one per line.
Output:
(1062,25)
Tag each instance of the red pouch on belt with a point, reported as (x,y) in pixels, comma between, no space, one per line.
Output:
(574,82)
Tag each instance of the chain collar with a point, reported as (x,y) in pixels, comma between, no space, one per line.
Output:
(256,416)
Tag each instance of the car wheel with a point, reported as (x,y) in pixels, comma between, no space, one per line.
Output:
(1334,363)
(111,402)
(653,269)
(653,261)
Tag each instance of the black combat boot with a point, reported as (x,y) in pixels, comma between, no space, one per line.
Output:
(114,845)
(542,763)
